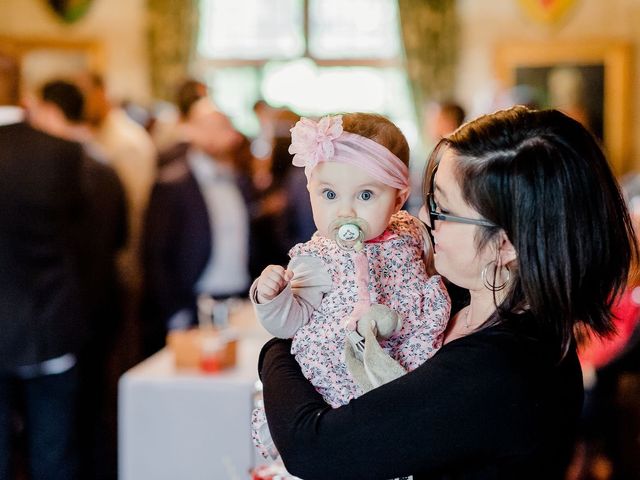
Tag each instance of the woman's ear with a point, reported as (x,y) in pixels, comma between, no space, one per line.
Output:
(506,251)
(401,198)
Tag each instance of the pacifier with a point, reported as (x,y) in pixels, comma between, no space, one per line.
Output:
(349,235)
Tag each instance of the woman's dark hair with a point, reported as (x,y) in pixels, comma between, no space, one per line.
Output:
(542,178)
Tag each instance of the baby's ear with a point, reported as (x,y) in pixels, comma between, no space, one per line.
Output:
(401,198)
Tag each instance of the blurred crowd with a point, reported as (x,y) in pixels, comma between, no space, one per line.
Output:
(115,223)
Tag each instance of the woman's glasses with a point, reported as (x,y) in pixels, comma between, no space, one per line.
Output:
(434,215)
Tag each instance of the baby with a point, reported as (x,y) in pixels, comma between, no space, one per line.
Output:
(365,251)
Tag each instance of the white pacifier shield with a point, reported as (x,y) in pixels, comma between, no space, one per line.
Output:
(348,232)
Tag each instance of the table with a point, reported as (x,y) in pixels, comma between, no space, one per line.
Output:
(184,424)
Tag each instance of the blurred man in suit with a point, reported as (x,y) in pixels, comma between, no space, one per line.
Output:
(197,235)
(42,315)
(59,111)
(128,148)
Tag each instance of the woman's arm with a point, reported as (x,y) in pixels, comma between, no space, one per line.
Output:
(452,409)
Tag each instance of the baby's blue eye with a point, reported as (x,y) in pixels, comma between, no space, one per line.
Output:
(366,195)
(329,194)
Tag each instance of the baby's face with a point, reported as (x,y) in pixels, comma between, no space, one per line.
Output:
(340,191)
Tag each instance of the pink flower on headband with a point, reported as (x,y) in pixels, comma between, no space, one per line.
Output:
(312,142)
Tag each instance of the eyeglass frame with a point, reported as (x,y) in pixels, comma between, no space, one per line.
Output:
(431,206)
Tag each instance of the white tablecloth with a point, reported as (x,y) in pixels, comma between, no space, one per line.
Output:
(176,424)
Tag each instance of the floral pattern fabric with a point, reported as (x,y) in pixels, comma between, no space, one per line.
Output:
(397,279)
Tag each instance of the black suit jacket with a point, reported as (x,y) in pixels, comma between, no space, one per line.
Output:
(106,233)
(177,245)
(41,220)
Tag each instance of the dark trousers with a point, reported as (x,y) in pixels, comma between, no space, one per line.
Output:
(47,405)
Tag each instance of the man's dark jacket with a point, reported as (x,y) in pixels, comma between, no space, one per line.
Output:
(41,207)
(177,244)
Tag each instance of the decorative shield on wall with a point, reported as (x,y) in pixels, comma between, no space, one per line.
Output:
(547,11)
(69,11)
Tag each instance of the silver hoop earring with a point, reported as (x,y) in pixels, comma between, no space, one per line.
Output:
(492,286)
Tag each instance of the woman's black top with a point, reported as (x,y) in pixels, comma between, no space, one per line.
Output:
(496,404)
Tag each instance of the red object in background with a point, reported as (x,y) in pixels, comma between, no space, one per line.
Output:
(598,352)
(210,364)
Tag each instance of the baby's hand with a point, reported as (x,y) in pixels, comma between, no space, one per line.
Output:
(271,282)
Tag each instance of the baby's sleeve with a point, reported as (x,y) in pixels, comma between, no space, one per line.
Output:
(292,307)
(422,334)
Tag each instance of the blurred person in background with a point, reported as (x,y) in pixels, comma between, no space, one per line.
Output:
(284,215)
(43,316)
(270,224)
(262,144)
(298,217)
(59,112)
(442,118)
(127,148)
(188,93)
(275,124)
(610,423)
(130,151)
(168,131)
(197,230)
(58,109)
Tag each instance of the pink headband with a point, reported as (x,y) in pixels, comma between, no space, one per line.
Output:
(325,141)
